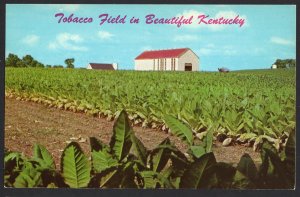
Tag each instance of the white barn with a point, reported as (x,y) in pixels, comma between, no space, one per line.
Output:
(183,59)
(274,66)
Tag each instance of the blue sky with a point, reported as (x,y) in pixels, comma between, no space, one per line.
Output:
(269,33)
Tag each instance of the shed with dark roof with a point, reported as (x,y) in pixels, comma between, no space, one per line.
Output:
(102,66)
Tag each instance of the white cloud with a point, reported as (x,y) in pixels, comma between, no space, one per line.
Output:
(229,50)
(188,14)
(214,27)
(104,35)
(281,41)
(67,41)
(258,50)
(185,38)
(227,15)
(31,40)
(52,45)
(205,51)
(210,45)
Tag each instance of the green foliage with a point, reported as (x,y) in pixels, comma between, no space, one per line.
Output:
(120,142)
(75,166)
(126,163)
(42,155)
(160,156)
(180,129)
(13,60)
(208,140)
(70,62)
(247,167)
(57,66)
(28,60)
(197,151)
(200,173)
(139,149)
(102,159)
(29,177)
(242,105)
(287,63)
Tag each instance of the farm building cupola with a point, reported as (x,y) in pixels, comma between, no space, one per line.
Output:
(183,59)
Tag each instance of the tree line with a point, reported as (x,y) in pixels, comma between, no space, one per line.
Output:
(287,63)
(13,60)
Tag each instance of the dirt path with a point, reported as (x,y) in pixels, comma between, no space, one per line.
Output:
(27,123)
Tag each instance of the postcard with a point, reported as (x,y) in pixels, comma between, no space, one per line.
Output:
(150,96)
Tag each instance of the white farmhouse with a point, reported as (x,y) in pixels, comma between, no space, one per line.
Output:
(274,66)
(183,59)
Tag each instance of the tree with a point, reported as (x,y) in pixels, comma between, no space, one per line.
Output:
(48,66)
(57,66)
(34,63)
(21,64)
(287,63)
(28,60)
(69,62)
(40,65)
(12,60)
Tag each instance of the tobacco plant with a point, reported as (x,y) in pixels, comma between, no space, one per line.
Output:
(126,163)
(249,106)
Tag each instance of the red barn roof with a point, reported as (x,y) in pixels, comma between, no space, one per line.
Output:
(102,66)
(169,53)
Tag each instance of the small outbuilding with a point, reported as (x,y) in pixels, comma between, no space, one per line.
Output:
(182,59)
(102,66)
(274,66)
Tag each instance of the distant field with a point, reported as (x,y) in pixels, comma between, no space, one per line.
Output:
(248,105)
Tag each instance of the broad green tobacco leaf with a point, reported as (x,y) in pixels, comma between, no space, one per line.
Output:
(160,156)
(43,156)
(75,166)
(247,167)
(200,173)
(197,151)
(180,129)
(240,101)
(102,160)
(139,149)
(120,142)
(29,177)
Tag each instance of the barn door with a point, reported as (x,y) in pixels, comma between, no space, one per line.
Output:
(188,67)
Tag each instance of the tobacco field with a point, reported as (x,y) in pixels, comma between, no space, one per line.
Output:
(127,163)
(249,106)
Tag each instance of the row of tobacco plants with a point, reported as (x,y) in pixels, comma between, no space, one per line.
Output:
(126,163)
(248,106)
